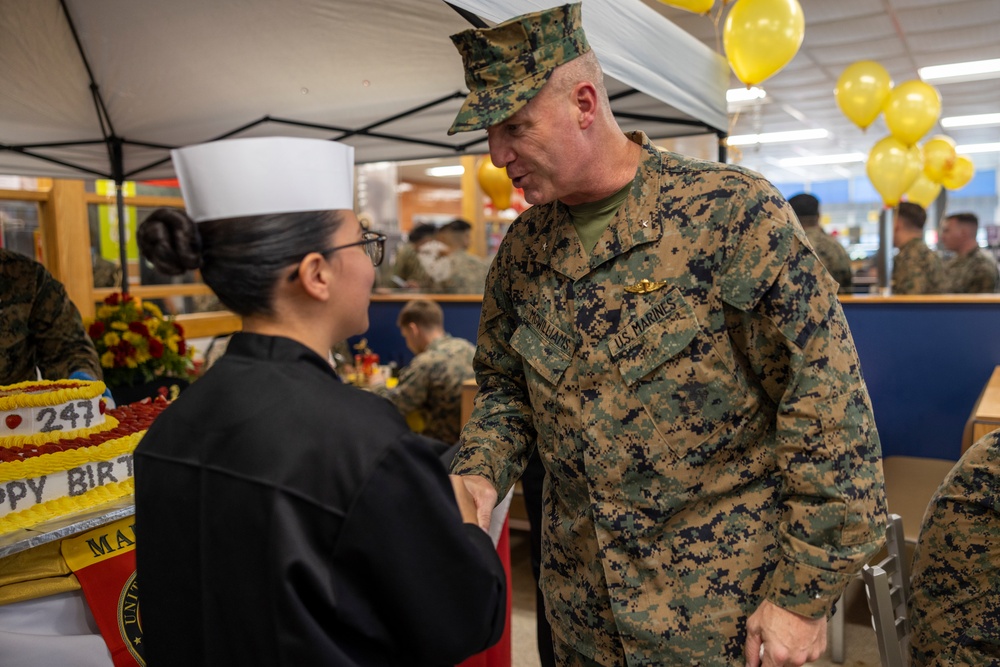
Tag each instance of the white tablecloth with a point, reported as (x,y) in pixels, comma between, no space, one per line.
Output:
(52,631)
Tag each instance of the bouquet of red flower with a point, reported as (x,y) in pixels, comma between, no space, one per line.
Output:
(136,344)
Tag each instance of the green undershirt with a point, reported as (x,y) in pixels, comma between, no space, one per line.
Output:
(592,218)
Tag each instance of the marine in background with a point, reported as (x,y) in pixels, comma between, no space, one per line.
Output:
(830,252)
(916,269)
(972,270)
(41,332)
(429,391)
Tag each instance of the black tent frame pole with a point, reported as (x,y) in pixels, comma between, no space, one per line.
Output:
(468,16)
(115,144)
(117,162)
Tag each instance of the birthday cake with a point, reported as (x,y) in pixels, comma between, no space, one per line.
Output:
(62,451)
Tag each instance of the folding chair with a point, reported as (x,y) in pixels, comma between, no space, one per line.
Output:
(888,587)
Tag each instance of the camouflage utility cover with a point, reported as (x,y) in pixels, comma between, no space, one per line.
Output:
(955,589)
(832,255)
(506,66)
(917,269)
(708,438)
(974,273)
(39,325)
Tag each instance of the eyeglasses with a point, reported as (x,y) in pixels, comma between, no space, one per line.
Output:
(374,245)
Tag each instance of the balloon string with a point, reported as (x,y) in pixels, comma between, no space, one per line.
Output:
(735,154)
(716,17)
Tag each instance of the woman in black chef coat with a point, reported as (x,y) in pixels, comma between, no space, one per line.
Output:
(283,517)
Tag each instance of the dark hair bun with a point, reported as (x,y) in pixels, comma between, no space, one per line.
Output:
(170,240)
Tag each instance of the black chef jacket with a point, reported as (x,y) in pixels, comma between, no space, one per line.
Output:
(285,518)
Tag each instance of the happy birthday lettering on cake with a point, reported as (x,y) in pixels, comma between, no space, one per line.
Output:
(21,494)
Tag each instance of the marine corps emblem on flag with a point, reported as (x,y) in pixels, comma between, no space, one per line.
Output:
(129,621)
(103,560)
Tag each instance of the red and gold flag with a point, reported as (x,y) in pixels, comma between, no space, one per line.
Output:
(103,560)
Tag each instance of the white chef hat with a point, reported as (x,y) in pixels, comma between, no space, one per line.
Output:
(263,175)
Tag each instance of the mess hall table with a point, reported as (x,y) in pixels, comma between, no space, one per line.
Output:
(985,417)
(52,628)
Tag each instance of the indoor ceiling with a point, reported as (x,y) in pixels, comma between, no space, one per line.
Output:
(901,35)
(120,83)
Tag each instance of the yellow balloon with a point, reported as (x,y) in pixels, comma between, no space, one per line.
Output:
(892,168)
(861,91)
(495,183)
(939,157)
(911,109)
(923,191)
(696,6)
(960,173)
(762,36)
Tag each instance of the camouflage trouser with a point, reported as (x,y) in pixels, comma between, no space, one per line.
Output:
(567,656)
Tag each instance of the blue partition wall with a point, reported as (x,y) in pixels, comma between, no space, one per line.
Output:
(925,363)
(461,319)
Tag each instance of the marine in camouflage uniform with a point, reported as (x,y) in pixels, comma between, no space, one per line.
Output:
(955,586)
(39,325)
(832,255)
(431,385)
(694,437)
(972,273)
(409,268)
(468,274)
(696,398)
(917,269)
(106,274)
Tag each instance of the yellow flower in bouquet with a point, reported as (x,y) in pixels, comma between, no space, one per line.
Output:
(136,344)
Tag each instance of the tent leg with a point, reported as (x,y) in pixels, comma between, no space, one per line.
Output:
(122,240)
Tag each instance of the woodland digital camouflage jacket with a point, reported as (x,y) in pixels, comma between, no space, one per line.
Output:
(917,269)
(955,589)
(39,325)
(974,273)
(833,256)
(695,395)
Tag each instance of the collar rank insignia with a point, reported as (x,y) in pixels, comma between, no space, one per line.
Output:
(644,286)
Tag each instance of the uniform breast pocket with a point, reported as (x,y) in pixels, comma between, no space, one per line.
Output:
(542,357)
(672,368)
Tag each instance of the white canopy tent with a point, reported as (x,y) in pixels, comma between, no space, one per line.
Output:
(106,88)
(83,79)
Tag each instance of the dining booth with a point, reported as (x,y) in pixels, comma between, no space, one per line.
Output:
(926,359)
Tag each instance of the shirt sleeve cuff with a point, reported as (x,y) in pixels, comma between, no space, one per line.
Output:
(806,590)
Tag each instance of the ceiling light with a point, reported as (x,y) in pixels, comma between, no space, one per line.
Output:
(810,160)
(978,148)
(745,94)
(775,137)
(970,71)
(969,121)
(442,172)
